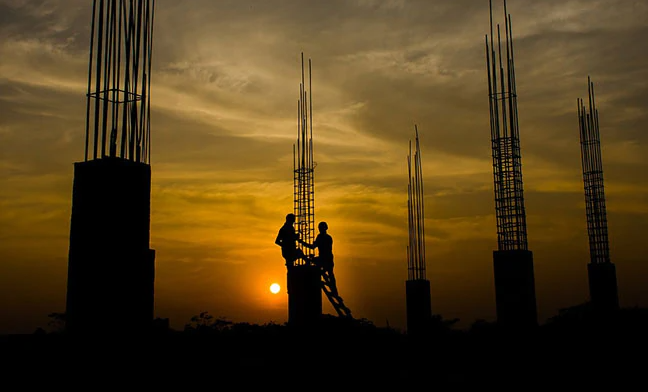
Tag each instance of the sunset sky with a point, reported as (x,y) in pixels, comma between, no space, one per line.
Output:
(225,86)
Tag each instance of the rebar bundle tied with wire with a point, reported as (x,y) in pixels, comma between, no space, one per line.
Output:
(592,164)
(303,166)
(119,75)
(505,140)
(416,214)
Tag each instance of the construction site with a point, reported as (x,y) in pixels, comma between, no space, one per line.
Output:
(110,224)
(111,266)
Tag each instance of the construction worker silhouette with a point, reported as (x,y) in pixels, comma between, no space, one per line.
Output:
(324,244)
(286,239)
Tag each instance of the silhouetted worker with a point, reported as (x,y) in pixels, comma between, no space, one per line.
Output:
(286,239)
(324,244)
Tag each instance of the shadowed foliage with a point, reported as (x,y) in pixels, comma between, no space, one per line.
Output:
(359,352)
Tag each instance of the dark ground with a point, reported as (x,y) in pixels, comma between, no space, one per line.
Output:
(573,350)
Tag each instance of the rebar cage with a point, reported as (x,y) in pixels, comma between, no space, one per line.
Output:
(592,165)
(304,167)
(119,74)
(505,140)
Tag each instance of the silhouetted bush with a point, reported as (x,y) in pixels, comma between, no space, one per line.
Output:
(206,323)
(56,323)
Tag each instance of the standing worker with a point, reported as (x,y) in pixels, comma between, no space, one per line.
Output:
(324,244)
(286,239)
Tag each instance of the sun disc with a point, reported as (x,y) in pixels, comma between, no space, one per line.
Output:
(274,288)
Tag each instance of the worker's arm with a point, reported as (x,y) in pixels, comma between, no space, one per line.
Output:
(309,246)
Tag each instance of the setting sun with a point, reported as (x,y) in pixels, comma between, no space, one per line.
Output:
(274,288)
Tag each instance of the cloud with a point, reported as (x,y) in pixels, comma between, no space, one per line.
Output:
(225,86)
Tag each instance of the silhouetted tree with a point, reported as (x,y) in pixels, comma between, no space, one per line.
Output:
(40,331)
(56,323)
(205,322)
(440,324)
(573,314)
(364,322)
(249,329)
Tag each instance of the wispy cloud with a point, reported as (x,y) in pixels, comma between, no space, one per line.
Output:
(225,88)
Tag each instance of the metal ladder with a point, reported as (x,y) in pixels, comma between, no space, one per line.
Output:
(334,298)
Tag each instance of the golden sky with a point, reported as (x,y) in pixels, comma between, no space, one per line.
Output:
(225,84)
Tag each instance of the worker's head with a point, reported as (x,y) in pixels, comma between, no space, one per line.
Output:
(290,218)
(322,226)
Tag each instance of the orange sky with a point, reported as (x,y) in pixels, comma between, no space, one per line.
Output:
(225,85)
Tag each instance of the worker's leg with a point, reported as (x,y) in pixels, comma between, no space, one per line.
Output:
(330,278)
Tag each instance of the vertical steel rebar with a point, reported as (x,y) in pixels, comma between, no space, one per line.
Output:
(122,88)
(416,255)
(505,141)
(592,165)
